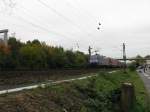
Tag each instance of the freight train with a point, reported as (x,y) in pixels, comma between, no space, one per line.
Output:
(103,61)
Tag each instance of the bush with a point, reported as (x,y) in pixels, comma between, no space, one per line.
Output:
(36,55)
(132,67)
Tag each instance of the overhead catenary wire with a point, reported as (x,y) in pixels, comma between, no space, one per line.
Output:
(81,10)
(8,6)
(18,25)
(77,2)
(21,18)
(62,16)
(9,3)
(25,11)
(35,25)
(84,10)
(55,11)
(88,35)
(4,3)
(41,27)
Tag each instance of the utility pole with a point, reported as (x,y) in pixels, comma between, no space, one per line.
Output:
(90,52)
(124,57)
(78,47)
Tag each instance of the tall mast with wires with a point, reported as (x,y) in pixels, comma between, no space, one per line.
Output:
(90,51)
(124,56)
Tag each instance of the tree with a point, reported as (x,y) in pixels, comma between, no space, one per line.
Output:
(71,58)
(56,57)
(37,55)
(140,60)
(81,59)
(33,57)
(148,56)
(15,46)
(36,42)
(132,66)
(6,61)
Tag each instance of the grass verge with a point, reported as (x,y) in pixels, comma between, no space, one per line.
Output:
(97,94)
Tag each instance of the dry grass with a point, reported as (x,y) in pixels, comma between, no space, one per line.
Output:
(20,78)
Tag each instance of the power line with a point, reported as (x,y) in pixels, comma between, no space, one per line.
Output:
(61,15)
(9,3)
(92,18)
(77,2)
(54,10)
(32,24)
(39,27)
(81,9)
(81,12)
(42,27)
(28,14)
(78,9)
(36,25)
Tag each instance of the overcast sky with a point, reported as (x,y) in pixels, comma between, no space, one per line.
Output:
(68,22)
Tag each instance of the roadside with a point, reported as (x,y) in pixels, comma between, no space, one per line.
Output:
(145,76)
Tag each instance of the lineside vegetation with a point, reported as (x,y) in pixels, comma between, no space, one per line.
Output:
(97,94)
(36,55)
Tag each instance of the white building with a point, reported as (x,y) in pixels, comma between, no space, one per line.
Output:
(148,62)
(4,39)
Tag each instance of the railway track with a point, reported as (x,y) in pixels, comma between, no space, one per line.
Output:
(50,82)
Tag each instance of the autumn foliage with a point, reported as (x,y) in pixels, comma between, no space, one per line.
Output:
(4,49)
(36,55)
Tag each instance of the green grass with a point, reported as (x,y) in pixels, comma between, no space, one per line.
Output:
(89,95)
(106,83)
(114,81)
